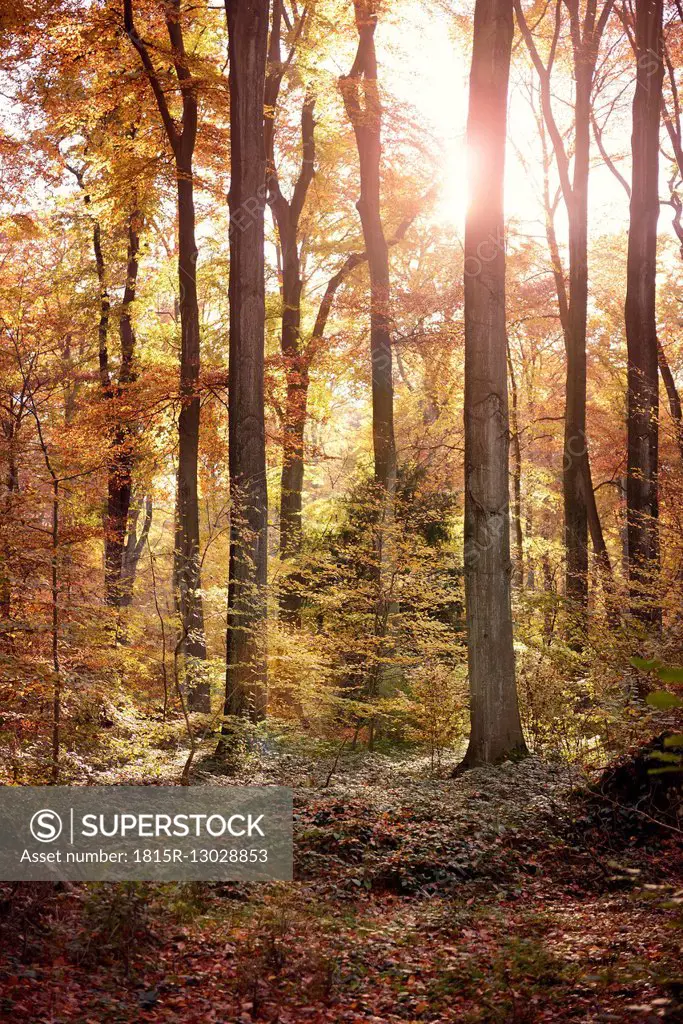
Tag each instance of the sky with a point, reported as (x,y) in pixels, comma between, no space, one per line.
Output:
(426,67)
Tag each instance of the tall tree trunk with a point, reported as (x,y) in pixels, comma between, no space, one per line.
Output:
(10,428)
(182,137)
(105,306)
(292,480)
(120,468)
(496,730)
(593,516)
(672,121)
(360,93)
(135,544)
(580,509)
(675,407)
(287,216)
(518,568)
(575,442)
(641,327)
(366,119)
(119,463)
(246,676)
(187,567)
(291,599)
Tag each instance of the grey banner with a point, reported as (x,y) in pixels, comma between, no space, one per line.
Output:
(145,833)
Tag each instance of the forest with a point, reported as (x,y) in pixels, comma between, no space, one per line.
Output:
(341,450)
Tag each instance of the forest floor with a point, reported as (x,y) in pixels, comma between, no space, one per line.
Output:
(506,895)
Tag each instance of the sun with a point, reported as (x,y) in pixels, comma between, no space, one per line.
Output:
(428,70)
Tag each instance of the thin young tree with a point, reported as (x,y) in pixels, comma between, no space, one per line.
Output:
(592,514)
(360,92)
(287,215)
(673,121)
(298,353)
(182,137)
(642,508)
(246,673)
(120,460)
(586,28)
(496,730)
(119,576)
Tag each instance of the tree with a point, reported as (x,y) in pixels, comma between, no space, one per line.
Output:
(642,505)
(586,31)
(360,92)
(246,672)
(496,730)
(287,216)
(182,138)
(120,459)
(563,304)
(671,114)
(120,475)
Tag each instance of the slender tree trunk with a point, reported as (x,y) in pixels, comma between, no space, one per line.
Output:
(641,327)
(292,483)
(366,119)
(57,682)
(105,306)
(575,443)
(579,462)
(182,137)
(120,469)
(10,429)
(287,216)
(496,730)
(246,677)
(674,127)
(134,546)
(188,556)
(360,93)
(296,406)
(672,395)
(518,568)
(586,30)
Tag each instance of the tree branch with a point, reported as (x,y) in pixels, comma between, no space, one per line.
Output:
(140,46)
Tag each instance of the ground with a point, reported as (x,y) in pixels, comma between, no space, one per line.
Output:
(505,895)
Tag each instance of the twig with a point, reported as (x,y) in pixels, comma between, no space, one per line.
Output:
(643,814)
(336,762)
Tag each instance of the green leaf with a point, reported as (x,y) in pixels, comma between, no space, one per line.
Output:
(663,700)
(670,674)
(644,665)
(674,741)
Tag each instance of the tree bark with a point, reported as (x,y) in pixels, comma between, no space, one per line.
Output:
(496,730)
(120,463)
(287,217)
(642,508)
(246,676)
(360,93)
(518,568)
(593,516)
(672,121)
(366,118)
(575,441)
(120,469)
(182,138)
(674,398)
(134,547)
(580,510)
(187,565)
